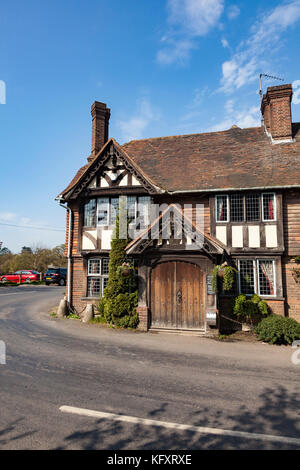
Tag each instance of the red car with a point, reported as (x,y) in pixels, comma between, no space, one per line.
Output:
(26,276)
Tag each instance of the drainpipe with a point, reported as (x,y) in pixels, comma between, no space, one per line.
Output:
(61,200)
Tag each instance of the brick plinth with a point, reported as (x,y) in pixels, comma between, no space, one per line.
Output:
(277,307)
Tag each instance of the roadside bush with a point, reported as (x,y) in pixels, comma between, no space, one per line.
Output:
(122,310)
(278,330)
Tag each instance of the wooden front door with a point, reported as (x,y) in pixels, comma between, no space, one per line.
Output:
(177,296)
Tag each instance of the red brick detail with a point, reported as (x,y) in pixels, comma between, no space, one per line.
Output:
(277,307)
(100,114)
(291,222)
(143,314)
(276,109)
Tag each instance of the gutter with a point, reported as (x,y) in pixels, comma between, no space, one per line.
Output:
(60,200)
(188,191)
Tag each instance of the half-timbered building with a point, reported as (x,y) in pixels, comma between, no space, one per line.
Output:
(246,183)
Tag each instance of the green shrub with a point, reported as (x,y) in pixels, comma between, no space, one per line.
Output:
(100,306)
(278,330)
(250,309)
(120,299)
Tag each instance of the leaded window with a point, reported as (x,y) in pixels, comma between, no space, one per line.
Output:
(104,210)
(90,213)
(236,207)
(266,275)
(268,206)
(114,209)
(247,276)
(97,276)
(102,215)
(222,208)
(257,277)
(252,207)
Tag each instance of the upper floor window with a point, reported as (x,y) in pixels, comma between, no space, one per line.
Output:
(252,207)
(90,213)
(103,211)
(222,208)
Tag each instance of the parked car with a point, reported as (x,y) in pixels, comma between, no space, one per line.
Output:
(55,276)
(25,276)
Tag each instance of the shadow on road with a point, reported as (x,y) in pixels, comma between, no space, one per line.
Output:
(7,435)
(277,415)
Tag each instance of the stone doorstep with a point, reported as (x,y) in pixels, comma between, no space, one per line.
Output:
(180,332)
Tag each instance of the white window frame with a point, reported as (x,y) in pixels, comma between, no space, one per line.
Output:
(256,276)
(216,208)
(137,206)
(100,275)
(254,270)
(108,212)
(274,276)
(262,207)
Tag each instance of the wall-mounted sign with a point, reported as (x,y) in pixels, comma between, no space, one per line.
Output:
(209,285)
(211,318)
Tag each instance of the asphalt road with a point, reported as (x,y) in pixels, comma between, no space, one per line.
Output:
(247,387)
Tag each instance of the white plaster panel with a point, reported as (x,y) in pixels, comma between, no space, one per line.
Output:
(106,239)
(135,182)
(87,243)
(221,233)
(271,236)
(237,236)
(254,236)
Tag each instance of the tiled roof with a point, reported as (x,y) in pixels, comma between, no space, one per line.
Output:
(236,158)
(232,159)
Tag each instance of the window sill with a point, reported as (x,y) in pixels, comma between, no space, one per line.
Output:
(90,298)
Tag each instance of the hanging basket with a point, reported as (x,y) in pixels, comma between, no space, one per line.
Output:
(126,269)
(221,273)
(126,272)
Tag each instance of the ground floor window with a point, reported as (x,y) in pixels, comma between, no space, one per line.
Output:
(97,276)
(257,277)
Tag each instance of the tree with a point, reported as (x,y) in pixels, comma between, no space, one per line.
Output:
(119,303)
(4,251)
(37,258)
(26,249)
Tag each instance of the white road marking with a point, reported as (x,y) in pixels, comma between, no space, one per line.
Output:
(16,293)
(179,427)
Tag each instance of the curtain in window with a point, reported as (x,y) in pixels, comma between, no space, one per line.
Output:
(221,208)
(266,277)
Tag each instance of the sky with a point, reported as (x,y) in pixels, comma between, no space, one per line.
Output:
(164,67)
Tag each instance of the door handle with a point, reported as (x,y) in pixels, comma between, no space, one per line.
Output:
(179,297)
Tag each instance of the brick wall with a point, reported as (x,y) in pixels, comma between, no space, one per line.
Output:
(291,227)
(291,288)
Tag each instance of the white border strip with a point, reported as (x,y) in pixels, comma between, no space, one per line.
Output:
(179,427)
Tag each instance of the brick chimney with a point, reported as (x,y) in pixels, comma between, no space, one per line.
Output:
(276,111)
(100,114)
